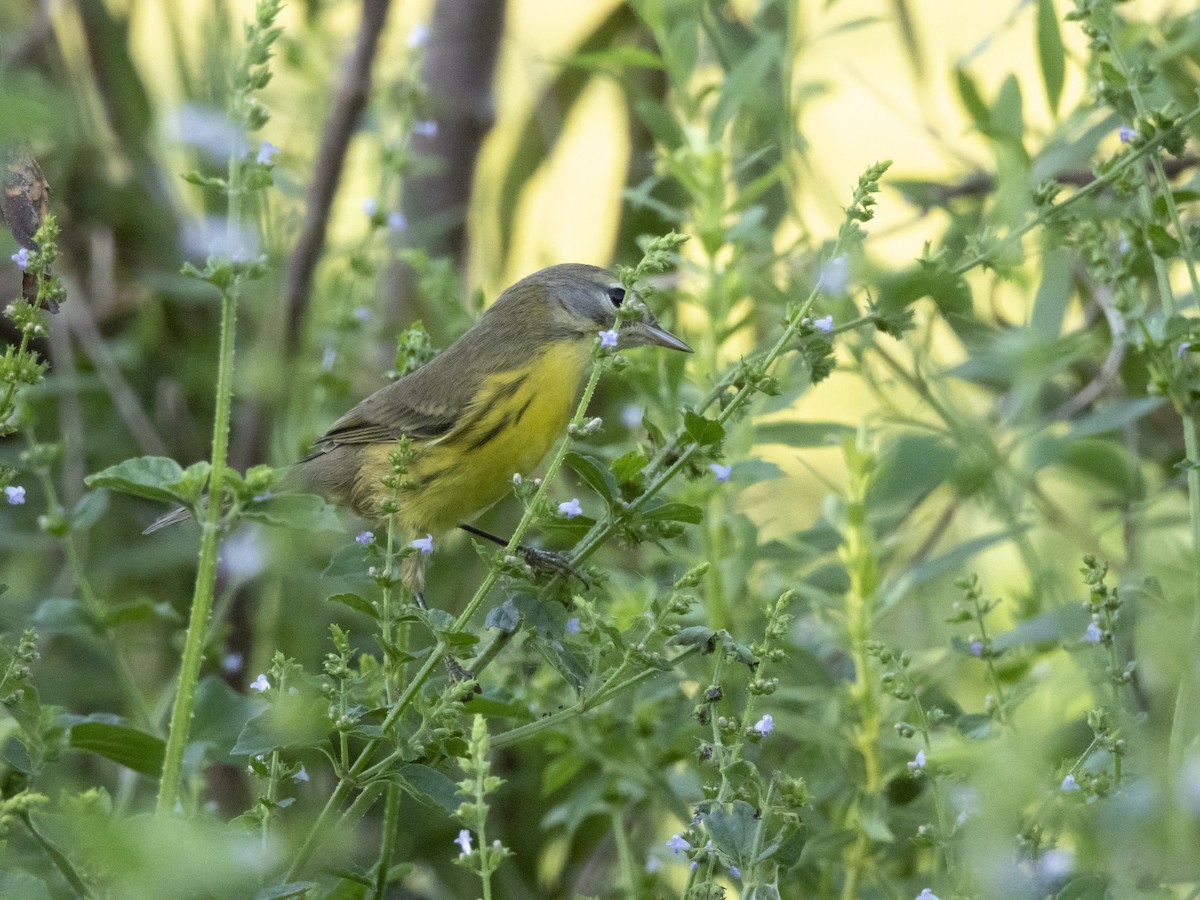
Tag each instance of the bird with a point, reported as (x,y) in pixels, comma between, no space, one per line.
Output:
(489,406)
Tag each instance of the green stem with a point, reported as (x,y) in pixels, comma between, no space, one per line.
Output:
(210,530)
(391,819)
(624,855)
(59,859)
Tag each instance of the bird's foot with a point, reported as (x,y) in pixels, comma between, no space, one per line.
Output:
(550,562)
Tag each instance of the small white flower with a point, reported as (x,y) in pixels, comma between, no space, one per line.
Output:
(1093,635)
(464,840)
(425,128)
(370,206)
(765,725)
(927,894)
(917,763)
(424,545)
(232,663)
(824,324)
(397,221)
(572,626)
(722,472)
(260,684)
(1070,784)
(15,494)
(608,339)
(1126,134)
(300,776)
(21,258)
(364,538)
(516,478)
(570,508)
(631,415)
(266,153)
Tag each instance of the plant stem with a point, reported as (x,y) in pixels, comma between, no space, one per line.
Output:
(391,818)
(210,530)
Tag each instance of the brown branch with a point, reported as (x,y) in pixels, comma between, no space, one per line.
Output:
(348,106)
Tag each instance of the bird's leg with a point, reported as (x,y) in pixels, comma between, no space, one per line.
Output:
(541,560)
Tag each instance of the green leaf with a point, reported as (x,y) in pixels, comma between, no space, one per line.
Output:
(429,786)
(88,510)
(504,617)
(697,636)
(291,721)
(356,603)
(304,512)
(153,477)
(593,474)
(674,512)
(1161,242)
(1006,120)
(1050,52)
(14,753)
(733,831)
(121,743)
(705,432)
(802,434)
(141,611)
(221,713)
(627,469)
(972,100)
(286,891)
(949,291)
(64,615)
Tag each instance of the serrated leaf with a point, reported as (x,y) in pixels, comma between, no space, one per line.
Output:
(705,432)
(732,831)
(153,477)
(356,603)
(593,474)
(428,785)
(674,512)
(305,512)
(120,743)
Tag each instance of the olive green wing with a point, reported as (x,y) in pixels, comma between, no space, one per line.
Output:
(423,406)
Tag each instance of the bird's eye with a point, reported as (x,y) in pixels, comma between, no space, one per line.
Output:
(616,295)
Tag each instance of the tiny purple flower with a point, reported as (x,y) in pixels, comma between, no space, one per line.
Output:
(232,663)
(765,725)
(1070,784)
(722,472)
(834,275)
(824,324)
(917,763)
(927,894)
(301,776)
(260,684)
(15,494)
(1093,635)
(735,871)
(425,128)
(363,314)
(1126,134)
(572,626)
(977,648)
(424,545)
(1183,348)
(608,339)
(397,221)
(364,538)
(21,258)
(464,840)
(266,153)
(370,206)
(677,844)
(570,508)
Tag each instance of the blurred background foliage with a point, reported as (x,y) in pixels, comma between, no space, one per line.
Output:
(1013,391)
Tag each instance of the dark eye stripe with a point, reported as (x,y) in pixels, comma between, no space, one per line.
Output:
(616,295)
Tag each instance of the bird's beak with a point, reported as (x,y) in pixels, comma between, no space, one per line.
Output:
(643,333)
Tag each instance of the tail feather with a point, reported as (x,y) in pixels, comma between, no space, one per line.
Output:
(178,514)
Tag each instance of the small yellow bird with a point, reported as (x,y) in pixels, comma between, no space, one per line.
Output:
(489,406)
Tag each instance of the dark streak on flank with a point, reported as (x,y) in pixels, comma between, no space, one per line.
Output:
(427,480)
(490,434)
(517,418)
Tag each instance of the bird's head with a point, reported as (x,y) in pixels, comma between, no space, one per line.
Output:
(582,300)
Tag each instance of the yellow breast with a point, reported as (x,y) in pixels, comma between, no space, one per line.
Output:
(513,421)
